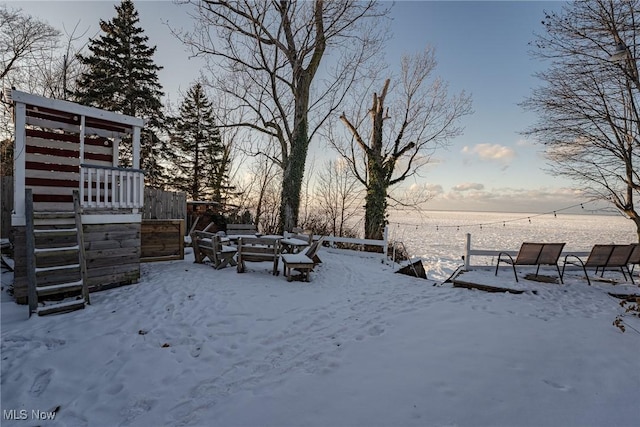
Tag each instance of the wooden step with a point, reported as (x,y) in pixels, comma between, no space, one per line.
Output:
(57,268)
(55,232)
(54,215)
(58,289)
(61,307)
(46,251)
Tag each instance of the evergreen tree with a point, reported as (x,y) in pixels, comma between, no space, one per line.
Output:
(122,77)
(200,158)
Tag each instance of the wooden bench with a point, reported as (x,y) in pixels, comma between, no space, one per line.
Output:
(209,245)
(534,254)
(304,262)
(256,249)
(235,229)
(603,257)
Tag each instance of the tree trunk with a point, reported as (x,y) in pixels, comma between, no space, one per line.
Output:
(292,184)
(376,202)
(293,168)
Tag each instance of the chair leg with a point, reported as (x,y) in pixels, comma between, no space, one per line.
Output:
(630,276)
(586,275)
(559,275)
(623,273)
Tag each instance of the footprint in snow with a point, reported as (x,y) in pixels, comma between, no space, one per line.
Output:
(557,386)
(376,330)
(41,382)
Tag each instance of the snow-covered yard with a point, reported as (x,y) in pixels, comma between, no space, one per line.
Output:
(357,346)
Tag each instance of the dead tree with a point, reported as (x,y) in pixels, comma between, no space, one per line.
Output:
(402,136)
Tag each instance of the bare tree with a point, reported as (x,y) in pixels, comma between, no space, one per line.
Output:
(269,55)
(22,35)
(588,116)
(339,195)
(401,137)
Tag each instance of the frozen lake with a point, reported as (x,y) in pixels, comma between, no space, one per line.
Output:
(438,237)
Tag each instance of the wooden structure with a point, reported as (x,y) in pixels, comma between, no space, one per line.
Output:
(62,147)
(257,249)
(533,254)
(604,257)
(209,245)
(162,240)
(304,262)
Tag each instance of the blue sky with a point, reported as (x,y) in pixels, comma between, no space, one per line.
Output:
(481,47)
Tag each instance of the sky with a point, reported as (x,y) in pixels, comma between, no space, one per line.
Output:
(481,47)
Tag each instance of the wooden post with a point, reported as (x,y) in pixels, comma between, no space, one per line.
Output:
(31,255)
(385,238)
(81,254)
(467,253)
(19,161)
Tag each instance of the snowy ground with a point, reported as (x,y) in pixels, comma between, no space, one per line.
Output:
(358,346)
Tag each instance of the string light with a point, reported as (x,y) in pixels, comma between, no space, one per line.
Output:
(504,222)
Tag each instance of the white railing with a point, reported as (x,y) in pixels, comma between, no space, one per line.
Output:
(384,243)
(469,252)
(111,188)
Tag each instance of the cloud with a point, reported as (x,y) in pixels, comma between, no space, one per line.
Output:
(466,186)
(507,199)
(491,152)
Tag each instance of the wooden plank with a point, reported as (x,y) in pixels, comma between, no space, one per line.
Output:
(113,269)
(112,281)
(68,176)
(457,283)
(34,149)
(94,263)
(47,136)
(104,228)
(49,167)
(112,244)
(52,159)
(6,206)
(61,308)
(110,235)
(108,253)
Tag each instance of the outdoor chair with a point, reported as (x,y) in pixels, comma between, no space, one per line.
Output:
(256,249)
(604,257)
(531,254)
(210,245)
(304,261)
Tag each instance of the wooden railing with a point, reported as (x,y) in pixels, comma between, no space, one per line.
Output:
(111,187)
